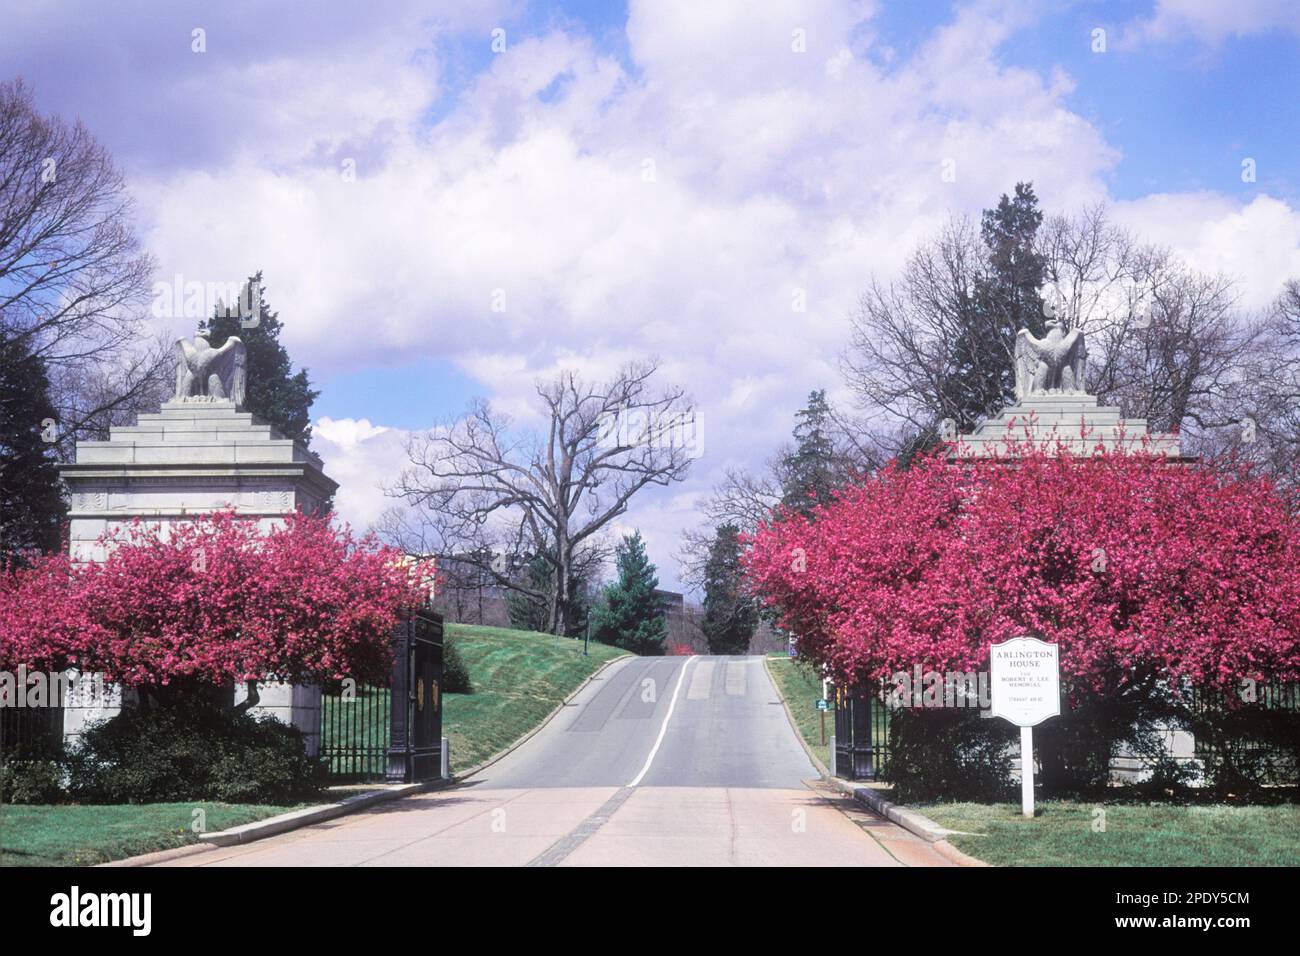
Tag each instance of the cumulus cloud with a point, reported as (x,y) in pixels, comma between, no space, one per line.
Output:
(360,457)
(717,194)
(719,201)
(1257,243)
(1212,21)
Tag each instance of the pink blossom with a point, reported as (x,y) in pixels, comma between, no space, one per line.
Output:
(1133,565)
(213,600)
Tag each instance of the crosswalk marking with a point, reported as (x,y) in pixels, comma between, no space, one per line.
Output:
(701,681)
(736,679)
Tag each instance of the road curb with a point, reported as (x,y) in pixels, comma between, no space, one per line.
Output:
(282,823)
(296,819)
(789,715)
(457,778)
(947,850)
(909,820)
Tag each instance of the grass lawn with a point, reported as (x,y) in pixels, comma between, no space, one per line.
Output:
(1136,834)
(86,835)
(801,688)
(518,677)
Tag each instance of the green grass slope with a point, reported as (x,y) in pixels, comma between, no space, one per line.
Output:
(518,678)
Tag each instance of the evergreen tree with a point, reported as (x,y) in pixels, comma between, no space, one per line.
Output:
(1005,299)
(31,505)
(810,471)
(528,613)
(632,616)
(729,615)
(275,392)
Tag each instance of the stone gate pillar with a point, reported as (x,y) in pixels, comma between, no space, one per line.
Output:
(196,455)
(1053,413)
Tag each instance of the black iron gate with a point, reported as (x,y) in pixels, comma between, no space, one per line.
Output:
(861,732)
(393,732)
(415,747)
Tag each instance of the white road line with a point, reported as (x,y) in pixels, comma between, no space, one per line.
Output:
(664,728)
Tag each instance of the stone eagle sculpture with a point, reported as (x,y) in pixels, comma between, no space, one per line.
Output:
(1056,363)
(207,374)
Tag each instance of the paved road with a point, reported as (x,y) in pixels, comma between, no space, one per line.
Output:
(659,761)
(727,729)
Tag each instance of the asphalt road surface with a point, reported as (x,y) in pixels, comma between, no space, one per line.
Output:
(658,761)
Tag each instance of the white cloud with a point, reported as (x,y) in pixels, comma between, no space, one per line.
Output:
(1257,243)
(1212,21)
(360,457)
(676,207)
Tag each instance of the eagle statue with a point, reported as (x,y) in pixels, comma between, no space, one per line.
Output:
(207,374)
(1056,363)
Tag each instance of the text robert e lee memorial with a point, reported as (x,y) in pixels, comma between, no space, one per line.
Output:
(1025,682)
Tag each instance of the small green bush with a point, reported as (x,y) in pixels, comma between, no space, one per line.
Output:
(948,754)
(455,673)
(195,751)
(1076,748)
(1248,748)
(29,780)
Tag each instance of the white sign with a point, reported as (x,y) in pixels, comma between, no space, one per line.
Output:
(1025,674)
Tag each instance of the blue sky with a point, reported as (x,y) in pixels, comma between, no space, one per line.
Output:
(651,178)
(1182,115)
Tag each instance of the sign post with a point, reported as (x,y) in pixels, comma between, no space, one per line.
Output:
(1025,674)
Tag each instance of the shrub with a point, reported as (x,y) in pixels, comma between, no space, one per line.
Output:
(1145,575)
(192,751)
(1137,570)
(455,672)
(211,601)
(1075,749)
(29,780)
(1247,748)
(948,754)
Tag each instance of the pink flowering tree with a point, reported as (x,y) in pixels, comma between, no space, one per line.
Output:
(42,624)
(1151,577)
(1131,565)
(201,605)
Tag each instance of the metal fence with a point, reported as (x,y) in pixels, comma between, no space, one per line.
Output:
(31,732)
(862,732)
(1258,733)
(1264,731)
(355,732)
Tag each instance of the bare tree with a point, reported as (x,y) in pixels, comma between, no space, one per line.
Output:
(904,335)
(1183,365)
(747,499)
(93,397)
(1267,402)
(73,281)
(1165,343)
(480,490)
(741,499)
